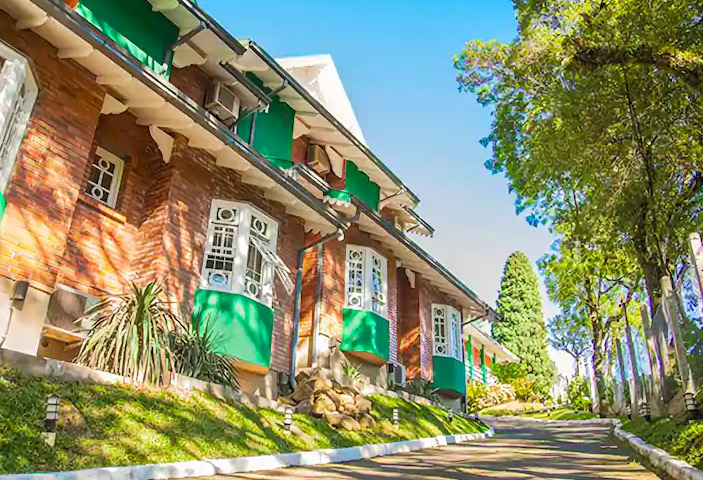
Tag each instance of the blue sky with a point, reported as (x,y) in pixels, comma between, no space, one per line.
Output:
(395,60)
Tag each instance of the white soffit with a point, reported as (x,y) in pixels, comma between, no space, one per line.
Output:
(151,109)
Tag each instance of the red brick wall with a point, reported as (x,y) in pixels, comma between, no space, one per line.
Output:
(192,81)
(333,290)
(47,177)
(299,153)
(409,325)
(99,247)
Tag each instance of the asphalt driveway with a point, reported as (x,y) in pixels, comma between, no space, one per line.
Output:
(520,450)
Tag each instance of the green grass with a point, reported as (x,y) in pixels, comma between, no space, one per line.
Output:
(562,414)
(675,435)
(129,426)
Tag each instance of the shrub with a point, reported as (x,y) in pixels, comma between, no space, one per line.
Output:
(524,389)
(421,388)
(578,395)
(131,335)
(194,355)
(351,371)
(475,395)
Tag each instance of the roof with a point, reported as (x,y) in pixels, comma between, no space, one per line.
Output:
(323,126)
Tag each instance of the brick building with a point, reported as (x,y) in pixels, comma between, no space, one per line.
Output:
(142,141)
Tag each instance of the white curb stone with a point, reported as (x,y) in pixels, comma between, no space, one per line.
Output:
(677,469)
(203,468)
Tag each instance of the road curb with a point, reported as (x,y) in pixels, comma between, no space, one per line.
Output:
(676,468)
(203,468)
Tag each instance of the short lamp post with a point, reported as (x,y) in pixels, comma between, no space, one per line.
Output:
(51,419)
(628,410)
(395,417)
(288,419)
(691,407)
(450,416)
(646,411)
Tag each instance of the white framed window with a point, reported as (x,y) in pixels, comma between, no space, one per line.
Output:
(240,252)
(446,322)
(18,93)
(366,280)
(105,177)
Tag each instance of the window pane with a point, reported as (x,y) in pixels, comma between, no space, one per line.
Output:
(255,269)
(378,300)
(218,266)
(355,278)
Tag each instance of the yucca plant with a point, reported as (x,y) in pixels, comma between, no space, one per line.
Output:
(194,355)
(131,335)
(351,371)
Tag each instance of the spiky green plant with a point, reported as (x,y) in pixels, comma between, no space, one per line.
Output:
(351,371)
(194,355)
(131,335)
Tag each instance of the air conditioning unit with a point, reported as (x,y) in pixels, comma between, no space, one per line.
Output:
(222,102)
(318,159)
(396,373)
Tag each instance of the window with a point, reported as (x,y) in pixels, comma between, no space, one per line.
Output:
(447,331)
(105,176)
(366,280)
(18,92)
(240,253)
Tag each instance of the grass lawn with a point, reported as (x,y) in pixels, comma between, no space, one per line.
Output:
(512,408)
(122,425)
(562,414)
(675,435)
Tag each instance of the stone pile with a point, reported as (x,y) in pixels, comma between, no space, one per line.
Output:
(341,406)
(497,395)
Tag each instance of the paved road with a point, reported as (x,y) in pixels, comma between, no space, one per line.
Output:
(520,450)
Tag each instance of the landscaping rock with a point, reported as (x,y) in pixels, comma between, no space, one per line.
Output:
(349,409)
(302,392)
(323,404)
(366,421)
(345,398)
(363,404)
(349,423)
(70,418)
(304,407)
(334,396)
(333,418)
(302,377)
(320,384)
(286,401)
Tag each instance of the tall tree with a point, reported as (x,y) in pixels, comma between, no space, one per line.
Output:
(522,328)
(569,332)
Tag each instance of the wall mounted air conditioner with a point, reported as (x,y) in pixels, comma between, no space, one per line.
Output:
(396,373)
(318,159)
(222,102)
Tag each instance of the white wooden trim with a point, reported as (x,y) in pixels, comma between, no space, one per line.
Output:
(367,269)
(114,190)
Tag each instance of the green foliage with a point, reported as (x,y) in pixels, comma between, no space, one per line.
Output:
(562,414)
(475,393)
(131,335)
(675,435)
(193,354)
(124,425)
(421,388)
(578,395)
(522,328)
(570,333)
(351,371)
(525,390)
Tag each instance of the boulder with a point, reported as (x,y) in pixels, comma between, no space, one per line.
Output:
(367,421)
(363,404)
(302,377)
(349,423)
(349,409)
(349,390)
(333,418)
(334,396)
(304,407)
(320,384)
(345,398)
(323,404)
(302,392)
(286,401)
(71,419)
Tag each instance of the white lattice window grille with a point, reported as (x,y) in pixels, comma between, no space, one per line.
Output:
(18,93)
(240,253)
(446,322)
(105,177)
(366,280)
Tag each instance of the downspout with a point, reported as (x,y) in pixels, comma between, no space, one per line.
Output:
(298,297)
(318,293)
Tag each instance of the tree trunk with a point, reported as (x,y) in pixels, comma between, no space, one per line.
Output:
(697,260)
(597,360)
(627,394)
(673,315)
(635,391)
(655,399)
